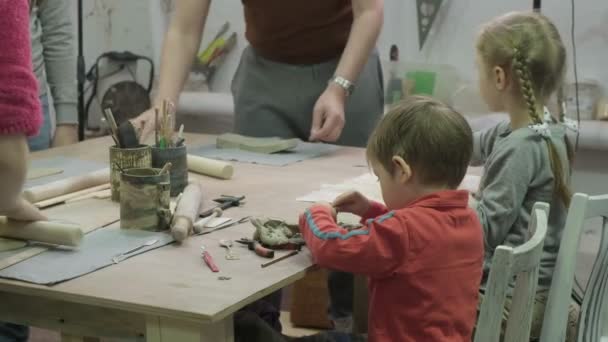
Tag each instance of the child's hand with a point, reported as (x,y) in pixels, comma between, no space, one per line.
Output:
(334,214)
(352,202)
(24,211)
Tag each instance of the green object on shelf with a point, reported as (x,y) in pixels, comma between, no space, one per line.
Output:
(424,81)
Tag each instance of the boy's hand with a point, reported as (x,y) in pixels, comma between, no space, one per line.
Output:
(352,202)
(25,211)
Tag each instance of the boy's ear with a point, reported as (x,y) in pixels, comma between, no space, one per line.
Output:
(403,171)
(500,78)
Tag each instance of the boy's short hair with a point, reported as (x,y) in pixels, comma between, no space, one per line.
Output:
(434,139)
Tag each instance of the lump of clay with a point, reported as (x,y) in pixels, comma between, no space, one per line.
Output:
(274,232)
(259,145)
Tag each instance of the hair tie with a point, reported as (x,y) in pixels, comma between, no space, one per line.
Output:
(541,129)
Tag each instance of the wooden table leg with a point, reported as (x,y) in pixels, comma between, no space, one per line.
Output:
(161,329)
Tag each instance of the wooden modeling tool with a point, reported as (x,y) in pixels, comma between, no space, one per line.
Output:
(165,168)
(186,211)
(279,259)
(112,124)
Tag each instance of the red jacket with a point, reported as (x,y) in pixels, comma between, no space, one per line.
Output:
(424,264)
(20,111)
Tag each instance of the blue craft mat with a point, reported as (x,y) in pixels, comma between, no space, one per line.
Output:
(302,152)
(96,252)
(71,168)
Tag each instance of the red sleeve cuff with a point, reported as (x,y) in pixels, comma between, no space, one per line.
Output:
(375,209)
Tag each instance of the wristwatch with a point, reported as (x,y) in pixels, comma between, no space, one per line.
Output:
(347,85)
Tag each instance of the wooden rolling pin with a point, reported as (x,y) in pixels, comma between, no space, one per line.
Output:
(54,233)
(66,186)
(186,211)
(73,195)
(210,167)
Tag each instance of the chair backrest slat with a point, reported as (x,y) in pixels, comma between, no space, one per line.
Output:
(594,314)
(522,262)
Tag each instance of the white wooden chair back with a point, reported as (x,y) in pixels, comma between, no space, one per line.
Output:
(522,262)
(593,322)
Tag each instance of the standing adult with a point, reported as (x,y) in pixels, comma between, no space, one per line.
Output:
(54,60)
(311,70)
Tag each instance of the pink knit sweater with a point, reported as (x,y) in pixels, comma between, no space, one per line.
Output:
(20,110)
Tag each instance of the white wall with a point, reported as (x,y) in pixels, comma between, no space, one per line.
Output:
(137,25)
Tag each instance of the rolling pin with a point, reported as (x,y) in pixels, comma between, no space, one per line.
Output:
(210,167)
(186,211)
(49,232)
(66,186)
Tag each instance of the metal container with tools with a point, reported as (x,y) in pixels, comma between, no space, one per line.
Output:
(144,199)
(126,158)
(177,156)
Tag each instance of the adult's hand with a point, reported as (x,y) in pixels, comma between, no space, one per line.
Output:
(328,115)
(144,124)
(65,135)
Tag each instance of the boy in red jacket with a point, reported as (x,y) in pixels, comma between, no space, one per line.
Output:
(423,251)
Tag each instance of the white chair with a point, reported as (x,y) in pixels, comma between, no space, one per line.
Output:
(522,262)
(593,322)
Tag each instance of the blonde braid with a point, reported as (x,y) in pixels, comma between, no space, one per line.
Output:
(527,90)
(520,64)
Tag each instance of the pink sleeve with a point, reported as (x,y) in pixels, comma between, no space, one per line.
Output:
(20,110)
(375,209)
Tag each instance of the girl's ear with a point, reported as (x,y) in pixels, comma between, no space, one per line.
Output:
(403,171)
(500,78)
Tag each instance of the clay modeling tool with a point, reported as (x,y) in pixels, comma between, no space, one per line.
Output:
(186,211)
(112,124)
(200,224)
(226,225)
(255,246)
(279,259)
(225,202)
(208,259)
(165,168)
(228,245)
(180,136)
(125,255)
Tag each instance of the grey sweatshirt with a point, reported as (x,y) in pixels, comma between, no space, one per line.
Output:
(517,175)
(54,56)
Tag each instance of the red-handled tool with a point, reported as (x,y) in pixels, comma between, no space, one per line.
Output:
(209,260)
(257,248)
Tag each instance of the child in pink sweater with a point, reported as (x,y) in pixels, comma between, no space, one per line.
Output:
(19,108)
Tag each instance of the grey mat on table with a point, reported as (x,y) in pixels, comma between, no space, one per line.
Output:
(96,252)
(71,167)
(302,152)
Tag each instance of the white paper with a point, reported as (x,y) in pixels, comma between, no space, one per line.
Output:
(367,184)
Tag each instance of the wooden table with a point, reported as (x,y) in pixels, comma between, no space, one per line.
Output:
(169,294)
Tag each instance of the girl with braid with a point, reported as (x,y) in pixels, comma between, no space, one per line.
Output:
(521,61)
